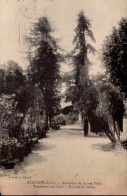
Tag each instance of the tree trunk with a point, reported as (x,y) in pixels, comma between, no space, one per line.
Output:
(95,124)
(51,120)
(117,131)
(112,132)
(85,127)
(109,133)
(120,124)
(46,122)
(93,128)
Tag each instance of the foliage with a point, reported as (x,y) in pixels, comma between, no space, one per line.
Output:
(71,118)
(7,146)
(60,119)
(89,100)
(124,144)
(17,94)
(80,80)
(114,55)
(13,81)
(44,69)
(67,109)
(34,121)
(80,90)
(71,114)
(2,76)
(14,77)
(111,106)
(8,114)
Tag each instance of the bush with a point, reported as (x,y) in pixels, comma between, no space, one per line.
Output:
(124,144)
(60,119)
(8,146)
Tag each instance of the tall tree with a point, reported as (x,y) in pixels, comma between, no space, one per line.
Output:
(81,66)
(114,55)
(44,69)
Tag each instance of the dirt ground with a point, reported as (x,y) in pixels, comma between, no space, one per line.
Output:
(66,162)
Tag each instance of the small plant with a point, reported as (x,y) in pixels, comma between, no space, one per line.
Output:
(8,146)
(124,144)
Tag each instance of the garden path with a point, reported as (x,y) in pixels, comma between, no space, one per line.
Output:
(66,156)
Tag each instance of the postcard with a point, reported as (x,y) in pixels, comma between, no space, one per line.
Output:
(63,97)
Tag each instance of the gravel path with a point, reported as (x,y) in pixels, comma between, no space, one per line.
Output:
(67,163)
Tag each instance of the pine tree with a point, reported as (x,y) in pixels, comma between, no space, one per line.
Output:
(44,69)
(81,64)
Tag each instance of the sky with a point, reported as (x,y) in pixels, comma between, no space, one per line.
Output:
(17,15)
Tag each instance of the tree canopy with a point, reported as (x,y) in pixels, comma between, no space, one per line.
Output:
(44,69)
(114,55)
(78,89)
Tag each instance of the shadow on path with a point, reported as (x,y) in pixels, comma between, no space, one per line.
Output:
(43,146)
(21,168)
(72,129)
(106,147)
(74,132)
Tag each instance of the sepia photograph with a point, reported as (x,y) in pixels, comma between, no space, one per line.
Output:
(63,97)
